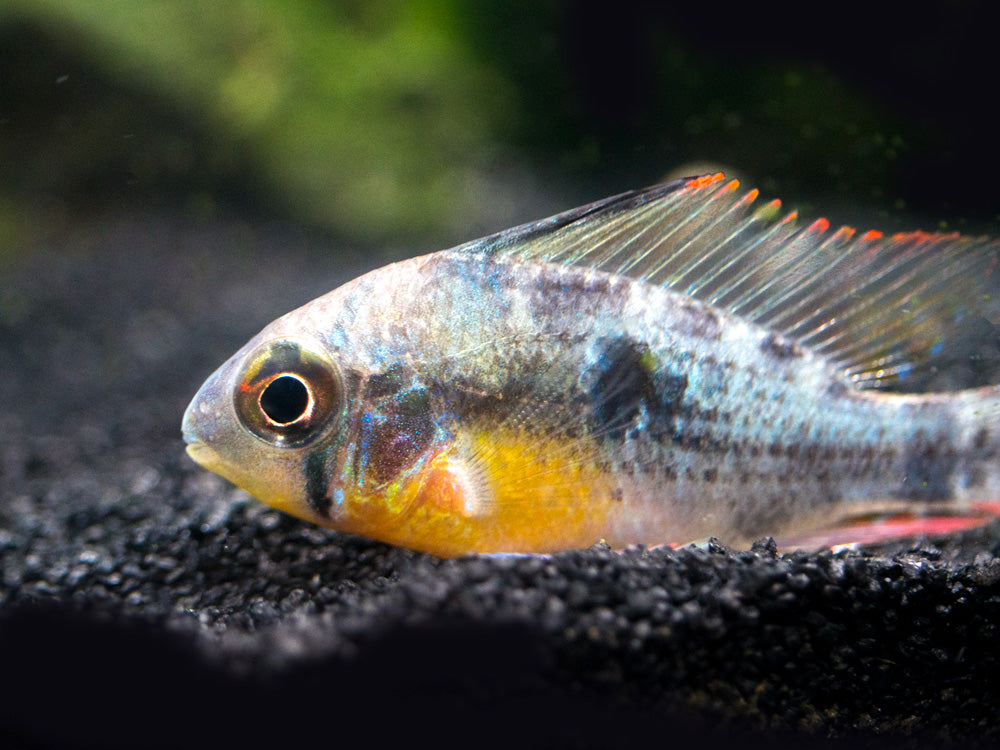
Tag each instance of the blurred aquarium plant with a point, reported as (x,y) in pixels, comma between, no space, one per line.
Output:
(367,118)
(398,119)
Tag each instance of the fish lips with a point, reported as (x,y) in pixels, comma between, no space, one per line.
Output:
(209,419)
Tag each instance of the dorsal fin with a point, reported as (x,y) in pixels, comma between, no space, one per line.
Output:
(878,306)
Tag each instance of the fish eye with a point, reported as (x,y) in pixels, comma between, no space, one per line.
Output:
(288,393)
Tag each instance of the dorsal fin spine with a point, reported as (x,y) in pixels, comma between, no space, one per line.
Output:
(701,225)
(687,261)
(721,258)
(809,285)
(737,292)
(874,305)
(877,270)
(790,276)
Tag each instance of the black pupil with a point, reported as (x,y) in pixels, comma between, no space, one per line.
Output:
(285,399)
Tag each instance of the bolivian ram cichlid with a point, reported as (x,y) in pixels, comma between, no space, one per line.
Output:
(658,367)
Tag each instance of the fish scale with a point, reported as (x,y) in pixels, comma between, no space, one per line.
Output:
(655,368)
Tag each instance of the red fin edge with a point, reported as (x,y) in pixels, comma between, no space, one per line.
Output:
(883,528)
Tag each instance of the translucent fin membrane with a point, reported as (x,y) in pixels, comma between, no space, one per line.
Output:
(878,306)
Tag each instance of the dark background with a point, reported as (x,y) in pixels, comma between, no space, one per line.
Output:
(433,120)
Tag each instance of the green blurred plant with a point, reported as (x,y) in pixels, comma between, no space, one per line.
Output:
(369,118)
(380,119)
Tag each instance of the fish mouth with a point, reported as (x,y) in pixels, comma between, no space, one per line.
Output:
(199,450)
(192,431)
(201,422)
(188,430)
(201,454)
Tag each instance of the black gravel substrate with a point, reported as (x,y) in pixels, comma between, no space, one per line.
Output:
(144,602)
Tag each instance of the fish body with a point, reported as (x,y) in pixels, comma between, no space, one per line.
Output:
(656,368)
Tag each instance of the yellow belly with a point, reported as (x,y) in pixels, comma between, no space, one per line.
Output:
(493,492)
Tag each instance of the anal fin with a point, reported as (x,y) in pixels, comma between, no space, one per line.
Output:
(860,530)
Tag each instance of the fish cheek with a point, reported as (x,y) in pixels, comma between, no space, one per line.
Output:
(394,438)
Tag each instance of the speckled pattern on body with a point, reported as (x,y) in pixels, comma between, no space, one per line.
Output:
(145,602)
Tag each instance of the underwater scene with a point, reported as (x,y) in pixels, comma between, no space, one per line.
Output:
(545,374)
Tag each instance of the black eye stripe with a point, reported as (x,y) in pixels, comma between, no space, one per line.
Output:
(316,483)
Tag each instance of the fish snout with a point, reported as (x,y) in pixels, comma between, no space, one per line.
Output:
(205,419)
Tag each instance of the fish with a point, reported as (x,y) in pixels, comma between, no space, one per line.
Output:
(662,366)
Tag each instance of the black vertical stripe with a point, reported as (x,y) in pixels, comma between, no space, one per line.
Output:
(317,486)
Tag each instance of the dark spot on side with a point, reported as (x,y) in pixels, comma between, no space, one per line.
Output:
(779,347)
(867,457)
(352,381)
(981,439)
(562,287)
(704,415)
(415,402)
(464,397)
(711,474)
(387,383)
(317,484)
(669,388)
(575,283)
(884,458)
(393,437)
(688,440)
(837,389)
(617,494)
(622,386)
(928,468)
(699,321)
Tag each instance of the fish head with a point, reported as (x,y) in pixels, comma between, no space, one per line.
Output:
(321,431)
(259,417)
